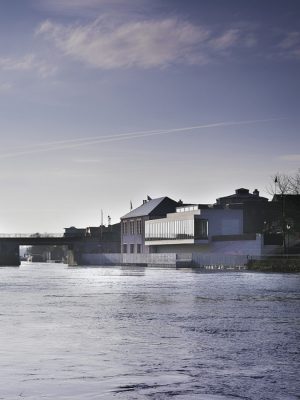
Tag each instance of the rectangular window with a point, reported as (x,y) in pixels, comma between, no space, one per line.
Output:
(125,228)
(138,248)
(132,248)
(201,228)
(138,226)
(131,227)
(124,248)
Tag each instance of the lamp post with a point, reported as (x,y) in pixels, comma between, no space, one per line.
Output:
(288,227)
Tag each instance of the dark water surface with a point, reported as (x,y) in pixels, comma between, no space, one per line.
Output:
(120,333)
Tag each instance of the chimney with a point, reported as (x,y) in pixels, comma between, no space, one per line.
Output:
(256,192)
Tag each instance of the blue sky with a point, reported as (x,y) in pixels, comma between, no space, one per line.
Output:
(95,97)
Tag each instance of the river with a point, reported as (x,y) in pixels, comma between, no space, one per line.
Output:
(135,333)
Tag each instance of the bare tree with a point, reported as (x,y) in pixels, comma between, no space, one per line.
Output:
(280,184)
(295,183)
(284,184)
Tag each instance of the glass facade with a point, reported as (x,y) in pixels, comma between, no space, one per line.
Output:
(176,229)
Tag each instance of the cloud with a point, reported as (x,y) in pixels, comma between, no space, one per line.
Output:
(290,157)
(29,62)
(86,6)
(144,44)
(290,45)
(226,40)
(88,160)
(5,87)
(291,40)
(80,142)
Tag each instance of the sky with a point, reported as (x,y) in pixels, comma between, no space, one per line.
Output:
(106,102)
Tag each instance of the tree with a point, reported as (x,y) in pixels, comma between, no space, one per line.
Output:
(284,187)
(294,186)
(284,184)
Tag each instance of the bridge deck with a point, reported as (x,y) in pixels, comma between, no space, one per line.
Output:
(39,239)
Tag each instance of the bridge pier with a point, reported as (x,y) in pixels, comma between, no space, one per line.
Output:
(9,254)
(71,259)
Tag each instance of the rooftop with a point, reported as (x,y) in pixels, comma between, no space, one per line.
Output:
(159,206)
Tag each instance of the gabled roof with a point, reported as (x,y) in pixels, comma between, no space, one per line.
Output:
(154,207)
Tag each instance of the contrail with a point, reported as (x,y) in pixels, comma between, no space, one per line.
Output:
(80,142)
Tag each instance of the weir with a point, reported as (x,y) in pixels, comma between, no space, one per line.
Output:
(10,243)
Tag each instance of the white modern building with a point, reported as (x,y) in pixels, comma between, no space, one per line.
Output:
(201,229)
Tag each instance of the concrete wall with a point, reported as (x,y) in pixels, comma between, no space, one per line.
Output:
(167,259)
(233,247)
(223,221)
(241,247)
(101,259)
(118,259)
(229,260)
(150,259)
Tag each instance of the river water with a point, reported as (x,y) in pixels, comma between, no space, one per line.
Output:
(135,333)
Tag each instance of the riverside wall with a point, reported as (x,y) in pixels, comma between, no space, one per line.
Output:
(166,260)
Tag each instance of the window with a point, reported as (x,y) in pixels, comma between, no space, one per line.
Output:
(132,248)
(124,248)
(125,228)
(138,248)
(131,227)
(138,226)
(170,230)
(201,228)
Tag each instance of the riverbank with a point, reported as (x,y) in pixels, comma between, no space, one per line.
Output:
(282,265)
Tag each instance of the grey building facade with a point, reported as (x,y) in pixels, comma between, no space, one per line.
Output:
(133,223)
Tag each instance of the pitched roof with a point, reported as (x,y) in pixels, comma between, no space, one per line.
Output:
(150,206)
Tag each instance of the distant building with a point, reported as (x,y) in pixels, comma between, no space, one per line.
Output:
(74,232)
(256,209)
(94,240)
(241,196)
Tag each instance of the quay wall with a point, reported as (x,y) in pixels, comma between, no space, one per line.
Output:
(167,259)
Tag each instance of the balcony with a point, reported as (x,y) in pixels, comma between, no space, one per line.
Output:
(175,239)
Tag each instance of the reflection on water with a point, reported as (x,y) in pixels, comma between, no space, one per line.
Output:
(135,333)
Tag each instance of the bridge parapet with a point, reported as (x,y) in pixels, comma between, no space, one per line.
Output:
(30,235)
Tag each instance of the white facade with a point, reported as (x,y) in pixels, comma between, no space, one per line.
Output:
(221,232)
(191,225)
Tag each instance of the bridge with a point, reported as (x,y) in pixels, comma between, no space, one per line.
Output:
(10,243)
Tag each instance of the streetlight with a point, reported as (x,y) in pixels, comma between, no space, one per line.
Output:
(288,227)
